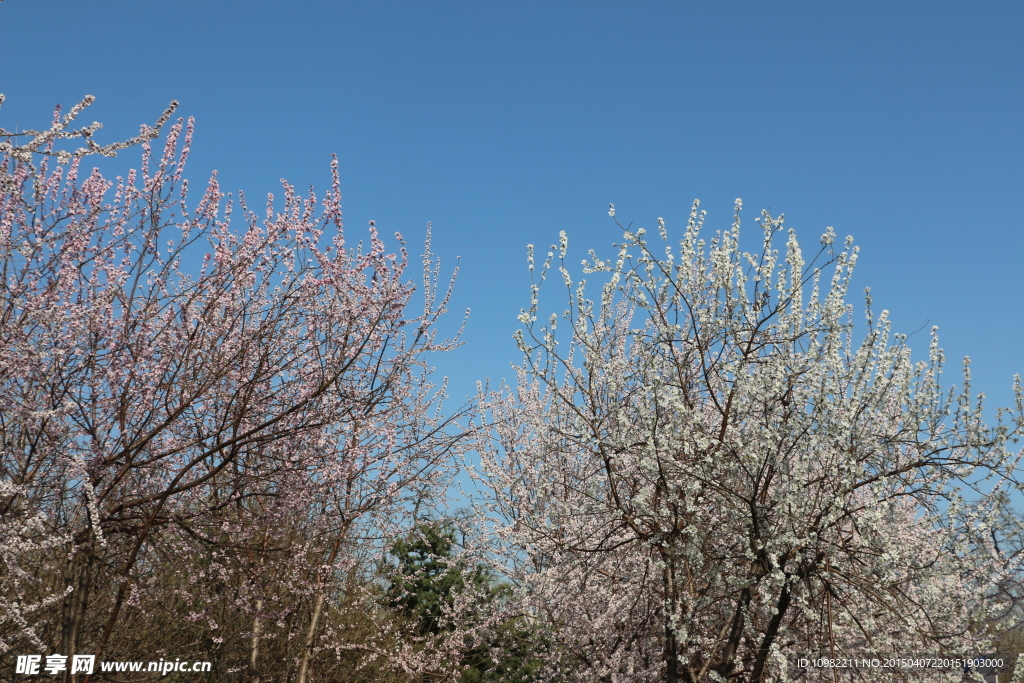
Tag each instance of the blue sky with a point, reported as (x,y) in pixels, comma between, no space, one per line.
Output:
(505,122)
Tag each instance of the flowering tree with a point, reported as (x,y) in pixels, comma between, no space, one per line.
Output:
(705,478)
(215,439)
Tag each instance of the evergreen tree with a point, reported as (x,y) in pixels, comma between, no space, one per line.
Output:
(427,578)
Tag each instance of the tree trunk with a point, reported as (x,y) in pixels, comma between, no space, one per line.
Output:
(75,604)
(671,653)
(671,657)
(307,644)
(760,663)
(254,650)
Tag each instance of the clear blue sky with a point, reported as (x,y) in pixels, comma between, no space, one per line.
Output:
(505,122)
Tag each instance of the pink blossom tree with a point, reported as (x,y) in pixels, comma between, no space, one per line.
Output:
(703,476)
(198,421)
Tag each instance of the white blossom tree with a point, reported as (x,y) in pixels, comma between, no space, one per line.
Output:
(703,475)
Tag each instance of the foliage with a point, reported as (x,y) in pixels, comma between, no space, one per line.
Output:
(204,431)
(705,477)
(428,579)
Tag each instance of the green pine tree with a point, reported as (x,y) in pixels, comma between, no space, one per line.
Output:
(425,577)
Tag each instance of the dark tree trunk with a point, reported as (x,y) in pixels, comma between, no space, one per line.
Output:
(75,605)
